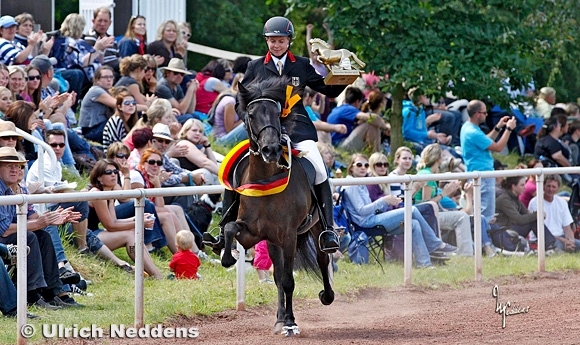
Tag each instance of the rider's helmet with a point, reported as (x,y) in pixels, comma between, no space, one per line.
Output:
(279,26)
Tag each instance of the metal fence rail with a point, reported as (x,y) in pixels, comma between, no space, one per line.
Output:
(22,201)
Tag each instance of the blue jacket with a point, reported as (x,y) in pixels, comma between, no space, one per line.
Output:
(414,123)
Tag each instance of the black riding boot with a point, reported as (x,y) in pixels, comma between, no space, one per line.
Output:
(230,206)
(328,239)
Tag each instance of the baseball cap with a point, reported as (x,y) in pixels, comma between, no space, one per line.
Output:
(43,63)
(497,165)
(7,21)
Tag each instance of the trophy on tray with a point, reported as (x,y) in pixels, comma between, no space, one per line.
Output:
(340,69)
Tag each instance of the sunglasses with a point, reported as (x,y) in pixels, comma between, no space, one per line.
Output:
(181,74)
(61,145)
(33,77)
(10,137)
(360,164)
(121,155)
(153,161)
(382,164)
(111,171)
(147,69)
(163,141)
(130,102)
(186,34)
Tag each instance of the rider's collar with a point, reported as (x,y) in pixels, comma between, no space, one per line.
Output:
(288,55)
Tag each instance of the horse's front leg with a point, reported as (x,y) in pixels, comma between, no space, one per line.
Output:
(290,328)
(230,231)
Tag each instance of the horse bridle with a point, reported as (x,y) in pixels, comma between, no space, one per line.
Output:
(254,137)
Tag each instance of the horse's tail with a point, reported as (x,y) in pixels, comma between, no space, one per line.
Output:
(306,255)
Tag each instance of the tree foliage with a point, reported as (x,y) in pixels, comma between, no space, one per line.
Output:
(467,46)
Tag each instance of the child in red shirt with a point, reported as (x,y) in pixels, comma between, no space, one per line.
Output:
(184,263)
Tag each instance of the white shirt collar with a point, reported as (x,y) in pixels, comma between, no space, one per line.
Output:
(283,59)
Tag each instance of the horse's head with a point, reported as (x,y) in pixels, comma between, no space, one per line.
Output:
(262,101)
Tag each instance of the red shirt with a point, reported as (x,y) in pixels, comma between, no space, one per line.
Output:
(185,264)
(204,98)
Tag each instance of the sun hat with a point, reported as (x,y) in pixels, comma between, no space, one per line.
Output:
(8,129)
(162,131)
(10,155)
(176,65)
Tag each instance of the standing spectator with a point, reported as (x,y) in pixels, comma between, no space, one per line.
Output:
(11,51)
(168,88)
(549,147)
(545,102)
(101,23)
(557,215)
(184,264)
(168,37)
(477,147)
(97,105)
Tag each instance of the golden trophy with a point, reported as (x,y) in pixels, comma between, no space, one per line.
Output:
(340,70)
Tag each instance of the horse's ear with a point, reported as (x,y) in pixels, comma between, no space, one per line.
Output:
(241,87)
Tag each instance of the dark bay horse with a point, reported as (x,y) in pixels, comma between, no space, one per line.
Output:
(277,218)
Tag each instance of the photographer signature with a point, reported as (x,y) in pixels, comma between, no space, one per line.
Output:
(506,309)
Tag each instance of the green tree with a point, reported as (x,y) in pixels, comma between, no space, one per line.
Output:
(474,44)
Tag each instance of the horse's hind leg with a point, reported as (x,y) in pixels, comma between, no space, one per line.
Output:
(283,260)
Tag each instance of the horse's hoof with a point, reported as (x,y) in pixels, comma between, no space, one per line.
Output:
(289,331)
(278,327)
(324,299)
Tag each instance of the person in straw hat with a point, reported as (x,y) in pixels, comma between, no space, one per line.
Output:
(45,289)
(169,88)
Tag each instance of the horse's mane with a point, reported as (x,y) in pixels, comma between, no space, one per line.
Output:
(321,42)
(273,88)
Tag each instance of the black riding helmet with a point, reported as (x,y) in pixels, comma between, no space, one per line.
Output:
(279,26)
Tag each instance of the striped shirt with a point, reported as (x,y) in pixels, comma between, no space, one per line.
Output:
(9,51)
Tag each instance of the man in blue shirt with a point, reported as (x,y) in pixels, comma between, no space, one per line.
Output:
(477,148)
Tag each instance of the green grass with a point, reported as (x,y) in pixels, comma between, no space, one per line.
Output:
(216,291)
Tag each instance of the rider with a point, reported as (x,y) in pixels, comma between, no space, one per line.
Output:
(278,33)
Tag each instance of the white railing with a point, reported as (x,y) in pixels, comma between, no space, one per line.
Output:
(22,201)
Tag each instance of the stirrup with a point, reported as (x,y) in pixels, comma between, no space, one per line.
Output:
(328,246)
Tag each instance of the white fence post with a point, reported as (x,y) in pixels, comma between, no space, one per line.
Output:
(408,237)
(477,227)
(139,247)
(241,277)
(21,276)
(540,222)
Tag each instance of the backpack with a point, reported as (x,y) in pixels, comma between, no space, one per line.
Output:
(211,112)
(508,240)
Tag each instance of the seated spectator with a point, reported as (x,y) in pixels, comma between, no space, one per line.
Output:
(378,166)
(545,102)
(17,83)
(184,264)
(199,154)
(334,168)
(416,123)
(53,177)
(512,213)
(185,34)
(530,186)
(79,54)
(7,290)
(5,101)
(141,141)
(97,105)
(572,140)
(168,88)
(360,132)
(160,111)
(165,46)
(366,213)
(3,75)
(210,86)
(228,129)
(557,215)
(13,52)
(122,121)
(403,163)
(135,39)
(573,111)
(98,34)
(148,174)
(324,129)
(120,232)
(150,79)
(549,148)
(45,289)
(132,71)
(32,89)
(451,221)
